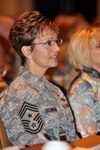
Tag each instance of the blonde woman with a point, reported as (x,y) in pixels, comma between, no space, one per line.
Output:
(84,92)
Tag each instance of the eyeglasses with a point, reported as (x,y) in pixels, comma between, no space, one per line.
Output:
(51,42)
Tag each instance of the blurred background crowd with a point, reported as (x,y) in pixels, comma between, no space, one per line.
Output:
(69,15)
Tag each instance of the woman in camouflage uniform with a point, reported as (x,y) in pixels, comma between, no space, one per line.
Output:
(32,106)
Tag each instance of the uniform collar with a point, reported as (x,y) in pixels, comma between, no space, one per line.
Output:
(32,79)
(92,72)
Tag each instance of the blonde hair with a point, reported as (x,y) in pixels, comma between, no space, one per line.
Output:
(80,45)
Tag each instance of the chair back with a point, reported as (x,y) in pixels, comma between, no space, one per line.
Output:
(4,141)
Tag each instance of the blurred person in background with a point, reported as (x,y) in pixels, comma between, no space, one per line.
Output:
(5,24)
(3,70)
(96,21)
(32,107)
(11,58)
(76,23)
(84,91)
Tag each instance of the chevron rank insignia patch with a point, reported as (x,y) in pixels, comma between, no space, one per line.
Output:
(31,118)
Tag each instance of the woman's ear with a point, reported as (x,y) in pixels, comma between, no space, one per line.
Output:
(26,50)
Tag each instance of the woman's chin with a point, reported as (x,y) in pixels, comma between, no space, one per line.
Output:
(54,64)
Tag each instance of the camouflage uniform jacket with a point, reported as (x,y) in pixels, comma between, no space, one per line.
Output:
(30,107)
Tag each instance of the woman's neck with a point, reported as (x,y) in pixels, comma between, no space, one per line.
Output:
(37,70)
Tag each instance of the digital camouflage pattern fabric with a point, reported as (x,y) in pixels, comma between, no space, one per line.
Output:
(29,107)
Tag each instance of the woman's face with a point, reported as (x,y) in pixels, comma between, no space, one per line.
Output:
(95,56)
(45,55)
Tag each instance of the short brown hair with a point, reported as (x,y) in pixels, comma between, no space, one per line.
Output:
(26,28)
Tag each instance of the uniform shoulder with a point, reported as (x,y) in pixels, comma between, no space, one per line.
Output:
(58,89)
(17,83)
(53,86)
